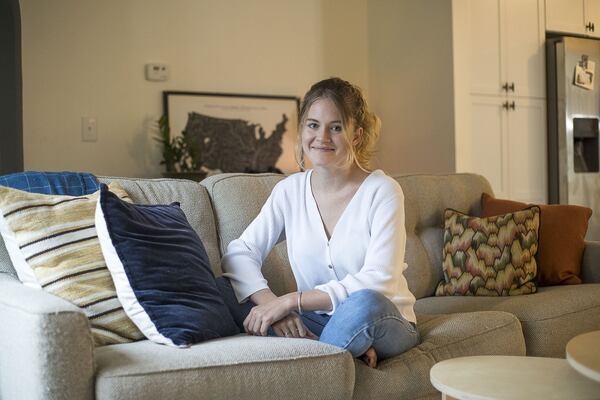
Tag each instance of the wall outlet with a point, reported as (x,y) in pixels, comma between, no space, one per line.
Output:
(89,129)
(157,72)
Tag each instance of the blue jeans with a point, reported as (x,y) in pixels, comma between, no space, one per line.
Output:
(365,319)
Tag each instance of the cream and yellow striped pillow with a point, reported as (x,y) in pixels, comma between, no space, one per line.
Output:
(53,245)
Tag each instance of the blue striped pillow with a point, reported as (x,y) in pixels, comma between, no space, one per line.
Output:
(63,183)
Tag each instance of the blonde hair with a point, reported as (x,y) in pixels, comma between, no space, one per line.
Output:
(351,103)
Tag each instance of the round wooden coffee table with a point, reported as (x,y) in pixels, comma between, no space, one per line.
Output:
(583,353)
(511,378)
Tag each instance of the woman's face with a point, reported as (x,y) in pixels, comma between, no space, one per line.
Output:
(323,135)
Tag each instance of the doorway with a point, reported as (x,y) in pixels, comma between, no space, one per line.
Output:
(11,109)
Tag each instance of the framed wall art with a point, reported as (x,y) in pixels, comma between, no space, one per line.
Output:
(236,132)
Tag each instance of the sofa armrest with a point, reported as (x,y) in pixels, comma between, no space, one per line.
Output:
(46,346)
(590,265)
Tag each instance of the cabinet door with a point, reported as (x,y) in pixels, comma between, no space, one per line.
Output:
(565,16)
(484,43)
(484,153)
(523,38)
(592,15)
(526,151)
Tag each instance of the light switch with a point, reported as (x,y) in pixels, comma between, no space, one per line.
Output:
(89,129)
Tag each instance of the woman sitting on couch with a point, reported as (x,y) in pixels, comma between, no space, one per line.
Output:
(345,234)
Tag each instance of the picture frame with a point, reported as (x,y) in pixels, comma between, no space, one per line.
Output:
(235,132)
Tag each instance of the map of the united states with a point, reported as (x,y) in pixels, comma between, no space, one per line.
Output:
(234,145)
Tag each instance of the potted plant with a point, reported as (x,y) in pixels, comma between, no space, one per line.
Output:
(179,156)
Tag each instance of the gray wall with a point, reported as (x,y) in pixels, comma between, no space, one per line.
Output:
(11,130)
(411,84)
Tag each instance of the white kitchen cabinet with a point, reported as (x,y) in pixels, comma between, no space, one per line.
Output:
(505,46)
(580,17)
(523,45)
(507,145)
(500,133)
(483,35)
(591,10)
(565,16)
(484,147)
(526,151)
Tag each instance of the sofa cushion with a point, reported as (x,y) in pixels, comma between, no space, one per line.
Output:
(6,266)
(237,200)
(194,201)
(239,367)
(406,376)
(425,199)
(53,243)
(161,272)
(562,237)
(590,264)
(491,256)
(549,317)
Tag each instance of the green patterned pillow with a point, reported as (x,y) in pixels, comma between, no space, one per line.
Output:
(491,256)
(52,242)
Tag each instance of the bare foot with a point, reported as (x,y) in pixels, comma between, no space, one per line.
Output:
(370,358)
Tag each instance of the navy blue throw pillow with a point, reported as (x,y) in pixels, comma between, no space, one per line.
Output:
(161,272)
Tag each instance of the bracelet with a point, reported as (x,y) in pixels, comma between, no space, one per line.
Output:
(300,303)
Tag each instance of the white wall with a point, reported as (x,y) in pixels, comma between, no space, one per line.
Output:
(86,58)
(410,80)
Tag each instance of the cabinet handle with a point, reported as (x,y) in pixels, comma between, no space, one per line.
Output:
(505,105)
(593,27)
(512,105)
(506,87)
(589,27)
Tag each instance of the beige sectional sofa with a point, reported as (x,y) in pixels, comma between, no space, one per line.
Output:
(46,349)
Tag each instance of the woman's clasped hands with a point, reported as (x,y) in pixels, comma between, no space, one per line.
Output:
(277,313)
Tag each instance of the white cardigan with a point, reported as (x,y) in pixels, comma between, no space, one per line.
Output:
(365,251)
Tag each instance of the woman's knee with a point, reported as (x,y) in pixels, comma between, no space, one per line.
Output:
(366,294)
(371,301)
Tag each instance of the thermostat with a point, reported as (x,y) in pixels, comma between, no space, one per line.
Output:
(157,72)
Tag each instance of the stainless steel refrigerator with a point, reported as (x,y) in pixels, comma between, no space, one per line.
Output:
(573,90)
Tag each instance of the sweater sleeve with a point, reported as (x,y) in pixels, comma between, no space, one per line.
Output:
(384,260)
(244,257)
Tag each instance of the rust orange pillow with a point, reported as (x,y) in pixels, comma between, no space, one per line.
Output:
(561,237)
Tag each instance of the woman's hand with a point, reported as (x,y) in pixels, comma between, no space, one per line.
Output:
(292,326)
(262,316)
(277,313)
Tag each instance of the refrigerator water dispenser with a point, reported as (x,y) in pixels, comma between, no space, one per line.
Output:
(585,144)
